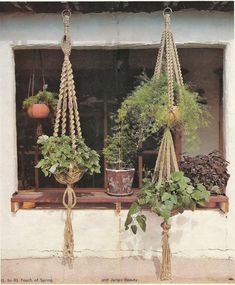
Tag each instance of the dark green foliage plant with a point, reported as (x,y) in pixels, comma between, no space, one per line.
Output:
(59,155)
(46,97)
(173,195)
(210,170)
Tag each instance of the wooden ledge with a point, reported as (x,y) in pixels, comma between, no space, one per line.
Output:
(52,198)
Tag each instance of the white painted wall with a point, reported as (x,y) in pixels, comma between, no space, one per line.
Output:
(39,233)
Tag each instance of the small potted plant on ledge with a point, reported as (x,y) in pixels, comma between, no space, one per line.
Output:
(40,105)
(119,155)
(61,159)
(210,170)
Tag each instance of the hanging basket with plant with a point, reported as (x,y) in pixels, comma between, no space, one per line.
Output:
(40,105)
(165,103)
(65,154)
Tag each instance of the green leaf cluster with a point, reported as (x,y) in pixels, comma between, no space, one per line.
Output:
(146,111)
(45,97)
(120,150)
(172,195)
(58,154)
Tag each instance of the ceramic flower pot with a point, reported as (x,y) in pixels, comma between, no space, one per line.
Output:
(38,111)
(120,181)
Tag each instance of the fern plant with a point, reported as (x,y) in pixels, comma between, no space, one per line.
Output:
(146,111)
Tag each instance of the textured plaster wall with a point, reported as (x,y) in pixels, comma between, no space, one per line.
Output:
(39,233)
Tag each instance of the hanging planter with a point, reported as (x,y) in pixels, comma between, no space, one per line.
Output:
(164,102)
(65,154)
(38,111)
(40,105)
(44,102)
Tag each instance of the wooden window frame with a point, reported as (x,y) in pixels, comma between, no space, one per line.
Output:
(96,197)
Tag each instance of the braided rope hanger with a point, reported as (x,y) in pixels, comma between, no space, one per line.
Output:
(166,161)
(67,120)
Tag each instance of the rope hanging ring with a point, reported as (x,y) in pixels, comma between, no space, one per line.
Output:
(66,40)
(66,12)
(167,11)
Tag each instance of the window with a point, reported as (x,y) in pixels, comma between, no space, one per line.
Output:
(103,78)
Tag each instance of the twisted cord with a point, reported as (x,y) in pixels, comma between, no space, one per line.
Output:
(64,89)
(158,67)
(170,75)
(166,253)
(176,56)
(58,115)
(69,203)
(70,103)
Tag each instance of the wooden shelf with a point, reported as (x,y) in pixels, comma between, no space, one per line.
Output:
(90,198)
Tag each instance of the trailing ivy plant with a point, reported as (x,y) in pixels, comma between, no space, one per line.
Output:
(210,170)
(58,155)
(46,97)
(172,195)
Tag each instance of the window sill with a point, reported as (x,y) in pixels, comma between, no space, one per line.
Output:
(51,198)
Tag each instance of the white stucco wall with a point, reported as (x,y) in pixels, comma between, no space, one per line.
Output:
(39,233)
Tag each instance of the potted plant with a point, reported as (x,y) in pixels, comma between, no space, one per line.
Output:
(210,170)
(39,106)
(171,196)
(119,154)
(64,161)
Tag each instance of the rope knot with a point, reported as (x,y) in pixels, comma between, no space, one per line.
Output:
(165,227)
(71,200)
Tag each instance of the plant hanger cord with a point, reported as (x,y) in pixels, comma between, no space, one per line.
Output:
(67,105)
(166,161)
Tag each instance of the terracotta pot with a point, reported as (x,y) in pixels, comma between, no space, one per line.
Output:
(38,111)
(120,181)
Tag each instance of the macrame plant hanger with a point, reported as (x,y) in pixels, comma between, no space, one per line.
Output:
(67,122)
(166,161)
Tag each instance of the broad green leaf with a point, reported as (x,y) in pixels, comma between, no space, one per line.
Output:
(128,220)
(165,196)
(134,229)
(53,168)
(141,222)
(133,209)
(190,189)
(176,176)
(201,187)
